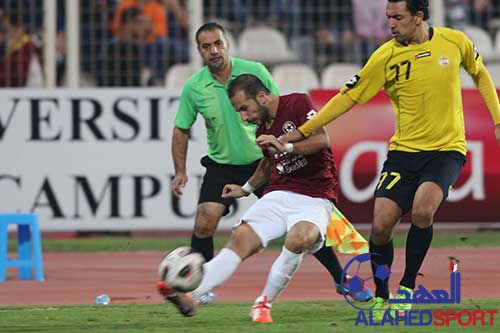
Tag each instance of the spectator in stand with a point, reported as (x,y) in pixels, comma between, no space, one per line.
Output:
(178,34)
(20,54)
(178,11)
(456,14)
(234,15)
(370,25)
(122,61)
(237,15)
(284,15)
(32,13)
(326,33)
(162,47)
(95,34)
(155,47)
(480,12)
(495,12)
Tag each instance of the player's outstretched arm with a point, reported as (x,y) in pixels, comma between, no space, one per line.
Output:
(313,144)
(292,136)
(180,140)
(338,105)
(233,191)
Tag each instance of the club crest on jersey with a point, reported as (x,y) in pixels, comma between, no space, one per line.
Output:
(444,61)
(288,126)
(353,81)
(423,55)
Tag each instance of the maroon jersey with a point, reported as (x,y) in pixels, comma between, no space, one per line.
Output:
(313,175)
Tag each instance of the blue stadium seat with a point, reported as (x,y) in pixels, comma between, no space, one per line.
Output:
(29,246)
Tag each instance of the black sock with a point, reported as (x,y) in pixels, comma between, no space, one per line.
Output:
(382,255)
(203,245)
(327,257)
(417,244)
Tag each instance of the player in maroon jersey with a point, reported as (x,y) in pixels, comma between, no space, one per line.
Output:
(298,200)
(308,169)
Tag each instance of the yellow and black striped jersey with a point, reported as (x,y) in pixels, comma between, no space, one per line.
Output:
(423,83)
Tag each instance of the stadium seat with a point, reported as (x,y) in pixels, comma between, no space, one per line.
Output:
(497,43)
(295,77)
(177,75)
(265,44)
(233,45)
(336,75)
(29,246)
(482,40)
(466,80)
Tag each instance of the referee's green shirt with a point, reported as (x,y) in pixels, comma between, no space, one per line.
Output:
(230,140)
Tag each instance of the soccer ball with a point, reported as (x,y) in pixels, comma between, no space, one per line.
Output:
(182,269)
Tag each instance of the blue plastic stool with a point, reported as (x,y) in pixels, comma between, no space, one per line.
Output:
(29,246)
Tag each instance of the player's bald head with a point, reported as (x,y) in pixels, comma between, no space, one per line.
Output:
(250,84)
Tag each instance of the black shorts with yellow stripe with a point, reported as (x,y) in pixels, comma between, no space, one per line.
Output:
(404,172)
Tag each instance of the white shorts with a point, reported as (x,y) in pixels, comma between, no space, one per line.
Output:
(273,215)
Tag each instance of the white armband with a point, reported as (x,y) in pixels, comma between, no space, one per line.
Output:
(289,148)
(247,188)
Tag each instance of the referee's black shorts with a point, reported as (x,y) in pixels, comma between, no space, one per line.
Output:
(403,172)
(218,175)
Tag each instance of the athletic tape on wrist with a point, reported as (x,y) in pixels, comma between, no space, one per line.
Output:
(247,188)
(289,147)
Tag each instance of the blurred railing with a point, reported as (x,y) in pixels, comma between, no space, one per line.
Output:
(105,43)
